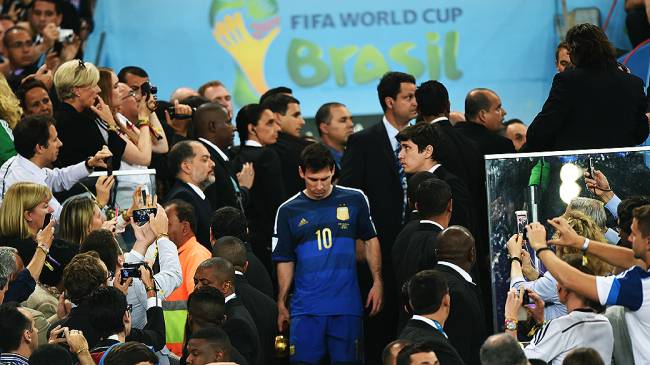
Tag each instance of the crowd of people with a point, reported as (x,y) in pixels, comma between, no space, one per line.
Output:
(368,247)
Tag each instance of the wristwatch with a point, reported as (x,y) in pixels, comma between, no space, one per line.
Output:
(511,324)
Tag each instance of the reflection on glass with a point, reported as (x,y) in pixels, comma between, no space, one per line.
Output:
(542,184)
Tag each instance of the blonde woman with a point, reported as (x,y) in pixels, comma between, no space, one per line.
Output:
(84,122)
(23,216)
(10,113)
(546,285)
(79,217)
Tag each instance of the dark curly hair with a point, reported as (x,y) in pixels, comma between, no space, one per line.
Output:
(83,275)
(589,47)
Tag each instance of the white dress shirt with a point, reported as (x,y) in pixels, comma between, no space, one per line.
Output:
(197,190)
(251,143)
(214,147)
(434,168)
(459,270)
(392,133)
(19,169)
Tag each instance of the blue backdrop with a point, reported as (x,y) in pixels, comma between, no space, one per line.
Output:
(336,50)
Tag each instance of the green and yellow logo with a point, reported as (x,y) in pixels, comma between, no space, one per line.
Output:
(246,35)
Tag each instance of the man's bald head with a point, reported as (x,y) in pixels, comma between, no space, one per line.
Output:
(182,93)
(456,245)
(232,249)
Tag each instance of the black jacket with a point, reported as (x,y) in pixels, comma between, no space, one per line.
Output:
(590,108)
(241,329)
(289,149)
(263,311)
(486,142)
(418,331)
(202,209)
(266,194)
(466,323)
(225,191)
(82,138)
(463,211)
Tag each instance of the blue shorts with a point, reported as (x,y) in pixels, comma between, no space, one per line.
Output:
(340,336)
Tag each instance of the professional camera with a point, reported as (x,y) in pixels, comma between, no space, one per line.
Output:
(147,89)
(131,270)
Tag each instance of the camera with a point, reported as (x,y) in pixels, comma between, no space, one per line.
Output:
(141,216)
(66,35)
(131,270)
(147,89)
(172,113)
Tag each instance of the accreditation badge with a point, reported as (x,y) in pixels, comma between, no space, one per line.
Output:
(342,213)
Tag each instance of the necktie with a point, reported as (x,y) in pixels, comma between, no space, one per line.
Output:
(402,179)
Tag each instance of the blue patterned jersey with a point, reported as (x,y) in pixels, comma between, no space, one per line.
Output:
(319,236)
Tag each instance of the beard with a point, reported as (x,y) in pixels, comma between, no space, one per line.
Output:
(207,182)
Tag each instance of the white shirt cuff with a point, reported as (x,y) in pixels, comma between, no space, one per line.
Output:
(612,205)
(137,255)
(153,302)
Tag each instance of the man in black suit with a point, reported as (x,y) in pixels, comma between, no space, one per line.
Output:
(415,247)
(220,274)
(594,104)
(190,163)
(262,308)
(229,221)
(286,112)
(485,114)
(430,303)
(212,127)
(206,309)
(466,323)
(419,153)
(370,163)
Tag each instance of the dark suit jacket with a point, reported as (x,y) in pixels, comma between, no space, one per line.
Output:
(241,329)
(289,149)
(463,212)
(256,274)
(486,142)
(590,108)
(466,323)
(418,331)
(413,251)
(369,164)
(267,194)
(222,193)
(81,137)
(264,312)
(184,192)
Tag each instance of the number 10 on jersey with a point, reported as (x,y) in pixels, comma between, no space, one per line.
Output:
(324,238)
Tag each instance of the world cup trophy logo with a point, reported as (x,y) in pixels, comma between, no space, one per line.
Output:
(246,31)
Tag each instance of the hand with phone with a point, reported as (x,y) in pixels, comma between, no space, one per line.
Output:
(598,184)
(99,159)
(103,188)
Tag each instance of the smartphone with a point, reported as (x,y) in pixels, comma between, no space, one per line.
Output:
(48,217)
(522,222)
(130,270)
(591,168)
(141,216)
(109,166)
(143,193)
(58,46)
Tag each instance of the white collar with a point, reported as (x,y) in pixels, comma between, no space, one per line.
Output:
(114,337)
(30,166)
(432,222)
(434,168)
(251,143)
(219,151)
(230,297)
(197,190)
(458,269)
(237,272)
(437,326)
(392,134)
(438,120)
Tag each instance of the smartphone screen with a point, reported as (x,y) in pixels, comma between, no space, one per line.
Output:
(591,168)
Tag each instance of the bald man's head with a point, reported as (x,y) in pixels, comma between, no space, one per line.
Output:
(456,245)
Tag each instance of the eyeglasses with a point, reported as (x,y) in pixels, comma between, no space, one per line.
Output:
(130,94)
(21,44)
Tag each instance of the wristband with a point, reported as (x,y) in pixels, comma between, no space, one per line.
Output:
(539,250)
(81,350)
(143,122)
(585,245)
(150,288)
(43,248)
(161,236)
(515,259)
(511,324)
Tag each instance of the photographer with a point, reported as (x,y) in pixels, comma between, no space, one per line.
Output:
(581,327)
(170,276)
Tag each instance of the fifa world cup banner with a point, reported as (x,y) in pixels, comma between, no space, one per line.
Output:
(335,50)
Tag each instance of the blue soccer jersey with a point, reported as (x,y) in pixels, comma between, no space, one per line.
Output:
(319,236)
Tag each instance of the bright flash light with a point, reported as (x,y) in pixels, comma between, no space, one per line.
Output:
(568,191)
(570,173)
